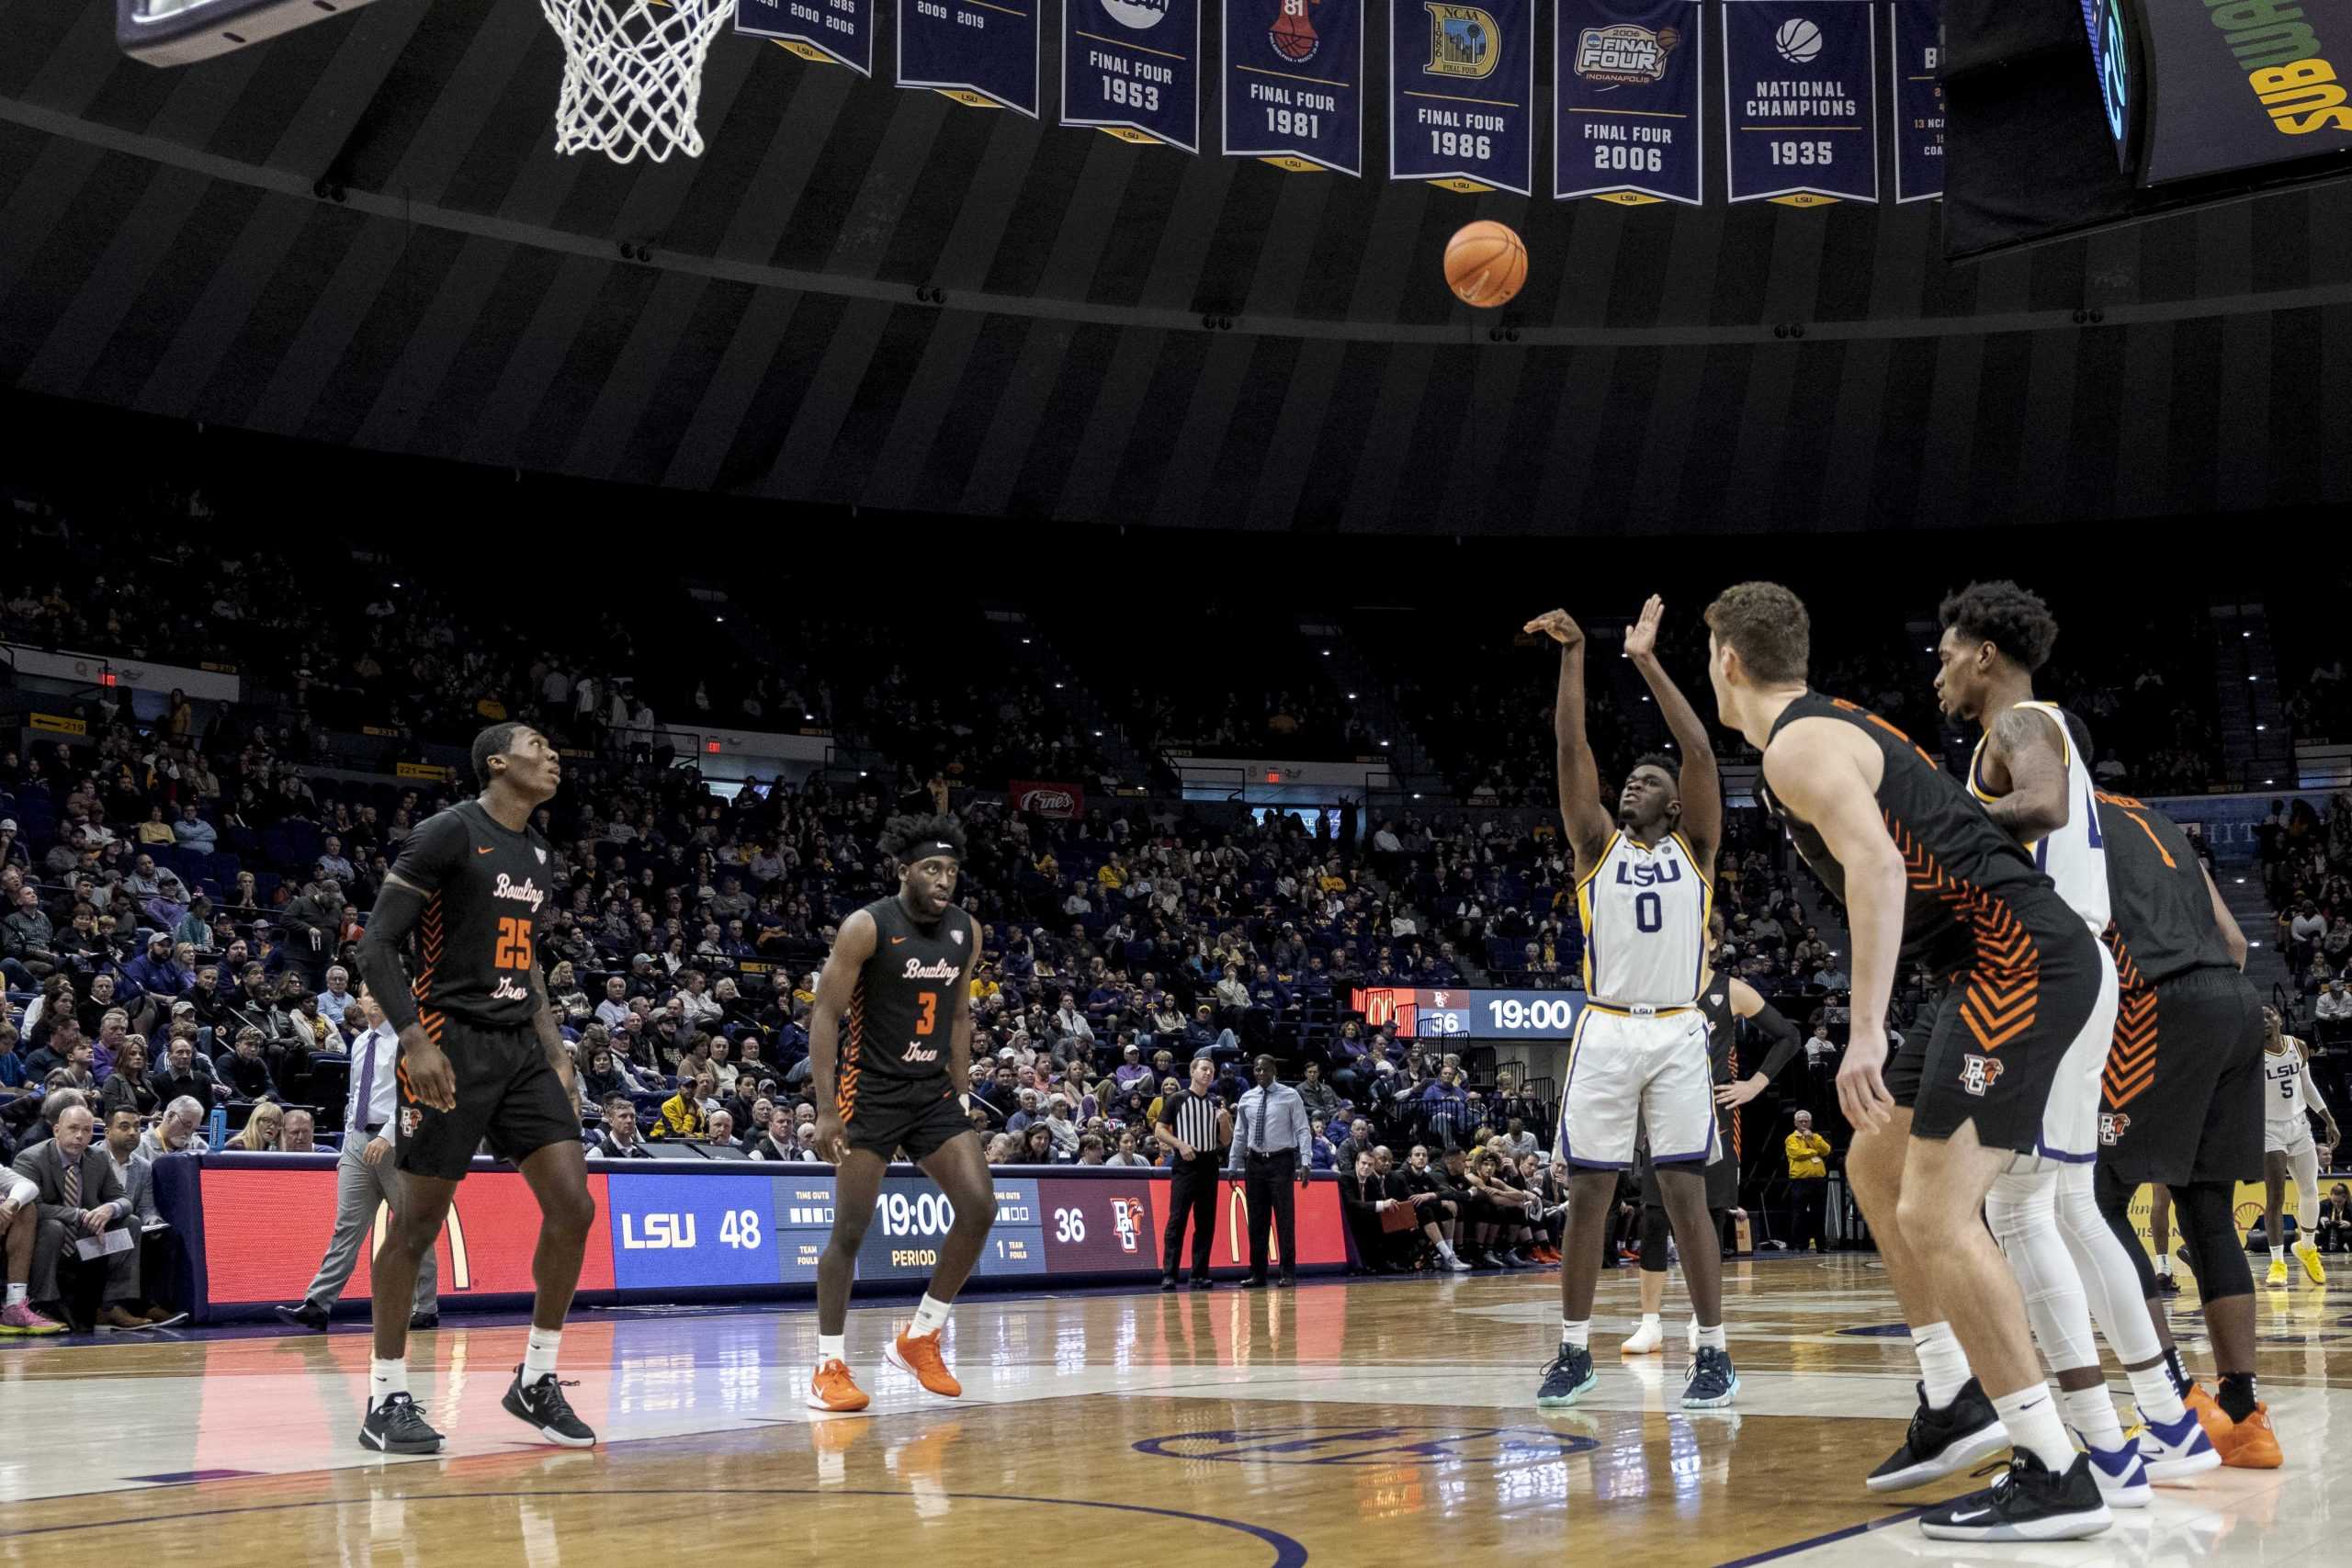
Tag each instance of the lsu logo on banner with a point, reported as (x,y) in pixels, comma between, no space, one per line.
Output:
(1464,41)
(1625,53)
(1292,34)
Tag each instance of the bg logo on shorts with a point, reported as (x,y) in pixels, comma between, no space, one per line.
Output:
(1978,1074)
(410,1117)
(2111,1127)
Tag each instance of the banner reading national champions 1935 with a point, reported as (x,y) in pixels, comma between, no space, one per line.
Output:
(1133,68)
(981,52)
(1460,94)
(1801,100)
(1294,83)
(1629,108)
(839,32)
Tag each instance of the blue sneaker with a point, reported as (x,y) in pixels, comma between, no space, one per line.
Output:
(2178,1450)
(2123,1475)
(1711,1380)
(1568,1378)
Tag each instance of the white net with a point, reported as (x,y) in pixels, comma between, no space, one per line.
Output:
(632,75)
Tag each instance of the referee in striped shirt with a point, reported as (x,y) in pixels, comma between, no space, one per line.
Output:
(1193,1126)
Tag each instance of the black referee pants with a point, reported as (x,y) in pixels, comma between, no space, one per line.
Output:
(1191,1194)
(1268,1185)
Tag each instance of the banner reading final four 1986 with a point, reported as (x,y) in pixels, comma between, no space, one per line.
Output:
(1801,100)
(1917,92)
(981,52)
(1294,83)
(1133,68)
(1628,111)
(1460,94)
(837,31)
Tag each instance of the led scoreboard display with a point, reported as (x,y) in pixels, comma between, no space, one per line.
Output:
(1421,1014)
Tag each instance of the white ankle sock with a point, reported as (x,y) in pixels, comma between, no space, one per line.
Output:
(16,1294)
(931,1316)
(538,1353)
(1943,1366)
(2091,1412)
(2164,1266)
(1577,1333)
(832,1347)
(1649,1320)
(1713,1339)
(2152,1390)
(2031,1417)
(386,1378)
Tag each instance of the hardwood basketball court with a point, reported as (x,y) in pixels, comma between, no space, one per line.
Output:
(1337,1424)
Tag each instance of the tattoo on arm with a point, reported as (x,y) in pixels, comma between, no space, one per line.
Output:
(2026,745)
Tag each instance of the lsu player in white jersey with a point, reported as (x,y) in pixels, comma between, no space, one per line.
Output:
(1645,890)
(2289,1095)
(2031,771)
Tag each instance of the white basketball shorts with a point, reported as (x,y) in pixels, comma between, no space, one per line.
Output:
(1628,1071)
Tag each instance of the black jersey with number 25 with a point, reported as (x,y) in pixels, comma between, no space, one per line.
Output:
(485,885)
(898,1015)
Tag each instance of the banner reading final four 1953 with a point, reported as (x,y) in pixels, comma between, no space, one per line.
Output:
(1294,83)
(1628,110)
(839,32)
(981,52)
(1462,93)
(1133,68)
(1801,100)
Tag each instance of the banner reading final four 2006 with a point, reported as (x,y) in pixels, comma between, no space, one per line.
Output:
(839,32)
(1801,100)
(1628,111)
(1294,83)
(981,52)
(1133,68)
(1462,93)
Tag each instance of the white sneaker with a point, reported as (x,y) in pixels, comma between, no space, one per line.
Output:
(1452,1262)
(1646,1340)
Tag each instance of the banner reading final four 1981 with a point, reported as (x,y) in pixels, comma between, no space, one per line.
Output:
(981,52)
(1801,100)
(1460,94)
(1629,110)
(1294,83)
(1917,92)
(1133,68)
(840,33)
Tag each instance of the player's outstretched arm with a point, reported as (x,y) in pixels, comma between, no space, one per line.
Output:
(959,1023)
(2027,745)
(1702,784)
(1816,767)
(1581,813)
(836,983)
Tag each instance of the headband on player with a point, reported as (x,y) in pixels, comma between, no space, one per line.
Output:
(927,849)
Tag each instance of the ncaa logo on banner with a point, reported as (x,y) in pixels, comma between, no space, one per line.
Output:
(1292,34)
(1633,56)
(1463,41)
(1140,15)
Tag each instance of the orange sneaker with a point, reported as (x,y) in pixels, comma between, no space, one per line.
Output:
(2252,1443)
(2210,1416)
(920,1356)
(832,1388)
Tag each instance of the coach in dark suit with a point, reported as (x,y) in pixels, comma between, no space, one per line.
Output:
(78,1194)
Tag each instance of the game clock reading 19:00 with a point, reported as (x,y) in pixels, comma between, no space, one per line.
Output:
(1546,1015)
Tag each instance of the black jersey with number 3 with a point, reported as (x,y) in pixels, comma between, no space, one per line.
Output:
(898,1015)
(484,885)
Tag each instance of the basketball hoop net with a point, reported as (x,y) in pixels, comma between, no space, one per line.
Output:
(632,75)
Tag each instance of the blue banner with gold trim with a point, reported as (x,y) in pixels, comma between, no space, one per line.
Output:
(1916,93)
(1294,83)
(831,33)
(1462,93)
(1801,100)
(980,52)
(1132,68)
(1629,107)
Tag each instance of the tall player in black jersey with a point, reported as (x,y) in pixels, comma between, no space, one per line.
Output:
(480,1056)
(1923,872)
(896,1075)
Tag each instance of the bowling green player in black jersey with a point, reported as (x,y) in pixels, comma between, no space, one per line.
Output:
(481,1058)
(890,1064)
(1923,874)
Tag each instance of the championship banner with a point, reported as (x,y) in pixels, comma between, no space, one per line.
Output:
(830,32)
(1131,69)
(979,52)
(1293,71)
(1063,802)
(1801,100)
(1628,115)
(1462,93)
(1917,96)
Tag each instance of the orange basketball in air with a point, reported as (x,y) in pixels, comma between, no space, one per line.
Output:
(1485,263)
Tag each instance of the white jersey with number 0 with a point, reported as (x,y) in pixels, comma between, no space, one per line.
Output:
(1644,913)
(2075,856)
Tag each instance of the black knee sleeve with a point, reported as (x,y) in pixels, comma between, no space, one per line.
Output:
(2114,1197)
(2204,1213)
(1653,1233)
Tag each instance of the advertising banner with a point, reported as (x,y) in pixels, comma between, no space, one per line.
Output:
(1063,802)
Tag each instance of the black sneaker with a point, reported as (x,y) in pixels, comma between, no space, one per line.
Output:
(1942,1442)
(2030,1503)
(398,1426)
(1712,1381)
(1567,1379)
(541,1404)
(2166,1285)
(423,1322)
(309,1315)
(1168,1281)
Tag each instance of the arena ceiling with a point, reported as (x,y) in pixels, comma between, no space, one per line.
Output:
(458,291)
